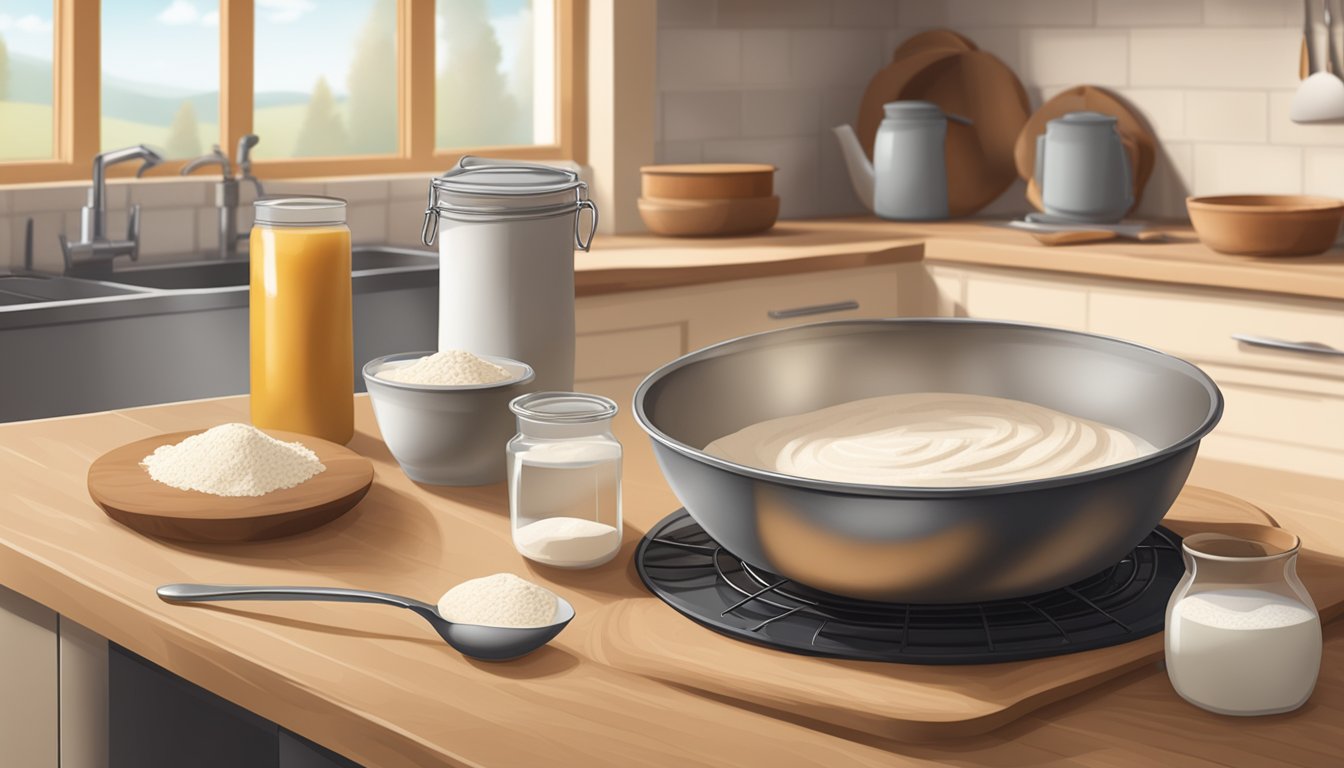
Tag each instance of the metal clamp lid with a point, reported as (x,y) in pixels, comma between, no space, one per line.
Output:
(484,186)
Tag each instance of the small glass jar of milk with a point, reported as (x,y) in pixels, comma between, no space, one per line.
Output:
(565,479)
(1243,636)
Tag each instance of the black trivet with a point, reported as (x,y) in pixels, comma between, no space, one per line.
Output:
(688,570)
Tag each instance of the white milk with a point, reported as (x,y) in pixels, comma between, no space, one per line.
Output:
(1243,651)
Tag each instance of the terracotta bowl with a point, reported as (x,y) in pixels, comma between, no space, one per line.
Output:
(1266,225)
(707,181)
(709,218)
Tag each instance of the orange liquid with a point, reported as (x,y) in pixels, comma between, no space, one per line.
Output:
(302,336)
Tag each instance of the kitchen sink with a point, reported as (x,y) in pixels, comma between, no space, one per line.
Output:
(32,289)
(225,274)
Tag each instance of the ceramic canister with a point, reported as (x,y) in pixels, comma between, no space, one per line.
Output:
(506,233)
(1082,168)
(909,164)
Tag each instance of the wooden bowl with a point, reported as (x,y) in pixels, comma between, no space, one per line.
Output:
(707,181)
(709,218)
(1266,225)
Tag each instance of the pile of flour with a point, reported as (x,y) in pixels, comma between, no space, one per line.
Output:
(232,460)
(567,541)
(451,368)
(501,600)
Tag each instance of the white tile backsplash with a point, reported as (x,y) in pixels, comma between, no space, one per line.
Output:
(1229,169)
(1149,13)
(780,113)
(1227,116)
(702,115)
(1324,171)
(765,57)
(1019,13)
(1252,13)
(775,13)
(699,58)
(1201,57)
(1214,78)
(1072,56)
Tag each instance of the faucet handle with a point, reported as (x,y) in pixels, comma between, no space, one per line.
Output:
(244,155)
(216,157)
(133,231)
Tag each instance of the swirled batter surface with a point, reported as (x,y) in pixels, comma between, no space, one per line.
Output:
(930,439)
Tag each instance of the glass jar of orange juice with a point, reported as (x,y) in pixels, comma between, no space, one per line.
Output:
(302,337)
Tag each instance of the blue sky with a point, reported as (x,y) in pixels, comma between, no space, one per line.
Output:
(26,27)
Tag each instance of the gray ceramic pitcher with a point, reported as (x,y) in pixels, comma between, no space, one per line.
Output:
(1083,168)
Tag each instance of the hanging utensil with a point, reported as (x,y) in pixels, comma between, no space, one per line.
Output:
(1335,19)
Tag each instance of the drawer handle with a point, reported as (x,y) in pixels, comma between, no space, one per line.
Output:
(1310,347)
(818,309)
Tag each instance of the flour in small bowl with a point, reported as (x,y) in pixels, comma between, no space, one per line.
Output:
(452,368)
(232,460)
(501,600)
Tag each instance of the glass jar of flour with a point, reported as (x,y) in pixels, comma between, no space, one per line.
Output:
(1243,636)
(565,479)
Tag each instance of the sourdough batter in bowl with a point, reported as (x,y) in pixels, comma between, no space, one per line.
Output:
(930,440)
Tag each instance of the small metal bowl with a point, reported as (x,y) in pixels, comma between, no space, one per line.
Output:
(447,435)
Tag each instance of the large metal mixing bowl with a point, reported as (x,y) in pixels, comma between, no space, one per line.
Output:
(925,545)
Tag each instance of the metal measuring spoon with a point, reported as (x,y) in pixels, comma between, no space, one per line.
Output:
(474,640)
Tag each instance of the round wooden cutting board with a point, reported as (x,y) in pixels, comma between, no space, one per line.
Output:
(124,490)
(934,39)
(1129,121)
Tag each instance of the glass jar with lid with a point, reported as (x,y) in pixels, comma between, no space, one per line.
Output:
(300,307)
(1242,634)
(565,479)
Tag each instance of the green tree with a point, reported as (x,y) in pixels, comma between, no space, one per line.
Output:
(322,134)
(184,135)
(372,107)
(473,106)
(4,69)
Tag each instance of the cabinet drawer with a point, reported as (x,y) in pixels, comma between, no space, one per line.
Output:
(1030,300)
(736,309)
(1201,325)
(627,352)
(1297,410)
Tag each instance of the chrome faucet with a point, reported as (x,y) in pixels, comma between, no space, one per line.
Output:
(226,190)
(93,246)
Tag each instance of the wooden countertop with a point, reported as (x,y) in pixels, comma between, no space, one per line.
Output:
(631,262)
(377,685)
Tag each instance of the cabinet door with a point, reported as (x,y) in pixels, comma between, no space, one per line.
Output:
(29,679)
(991,295)
(83,687)
(159,720)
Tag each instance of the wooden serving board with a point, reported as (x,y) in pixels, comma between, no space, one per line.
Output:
(123,489)
(898,701)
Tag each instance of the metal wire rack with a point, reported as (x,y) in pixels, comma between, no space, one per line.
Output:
(687,569)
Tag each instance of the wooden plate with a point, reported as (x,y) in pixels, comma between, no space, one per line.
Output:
(1130,121)
(124,490)
(932,40)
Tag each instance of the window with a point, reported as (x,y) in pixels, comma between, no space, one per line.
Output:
(494,65)
(332,87)
(326,78)
(27,44)
(160,75)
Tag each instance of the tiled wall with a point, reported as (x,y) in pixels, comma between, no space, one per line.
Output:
(179,220)
(764,80)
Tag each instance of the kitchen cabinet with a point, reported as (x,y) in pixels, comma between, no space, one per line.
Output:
(53,709)
(160,720)
(1283,409)
(624,336)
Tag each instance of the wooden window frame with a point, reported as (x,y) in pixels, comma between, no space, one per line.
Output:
(76,78)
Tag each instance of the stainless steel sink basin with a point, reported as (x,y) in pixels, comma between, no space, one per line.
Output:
(224,274)
(32,289)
